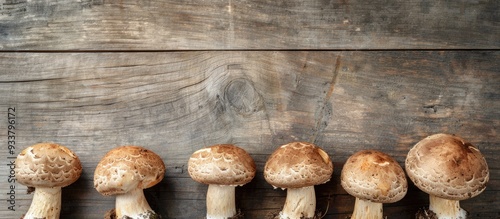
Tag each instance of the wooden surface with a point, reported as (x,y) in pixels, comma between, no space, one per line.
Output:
(174,76)
(242,25)
(177,102)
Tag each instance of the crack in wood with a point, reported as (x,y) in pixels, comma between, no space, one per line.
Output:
(30,80)
(322,114)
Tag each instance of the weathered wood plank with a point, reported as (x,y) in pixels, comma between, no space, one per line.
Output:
(254,24)
(177,102)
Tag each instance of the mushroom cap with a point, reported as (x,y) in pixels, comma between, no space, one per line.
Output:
(298,164)
(375,176)
(47,165)
(222,164)
(126,168)
(448,167)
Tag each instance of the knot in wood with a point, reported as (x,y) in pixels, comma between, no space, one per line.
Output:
(242,97)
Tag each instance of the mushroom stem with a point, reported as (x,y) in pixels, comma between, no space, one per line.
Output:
(445,208)
(221,202)
(133,204)
(300,203)
(367,209)
(46,203)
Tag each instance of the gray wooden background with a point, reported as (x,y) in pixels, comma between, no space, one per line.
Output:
(175,76)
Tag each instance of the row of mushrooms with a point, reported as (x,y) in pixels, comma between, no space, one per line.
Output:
(445,166)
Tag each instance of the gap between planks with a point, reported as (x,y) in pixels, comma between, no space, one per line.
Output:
(246,50)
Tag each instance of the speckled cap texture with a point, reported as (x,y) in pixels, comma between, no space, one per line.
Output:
(298,164)
(375,176)
(47,165)
(126,168)
(448,167)
(223,164)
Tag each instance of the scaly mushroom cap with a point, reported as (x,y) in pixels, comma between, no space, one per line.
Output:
(448,167)
(298,164)
(374,176)
(222,164)
(126,168)
(47,165)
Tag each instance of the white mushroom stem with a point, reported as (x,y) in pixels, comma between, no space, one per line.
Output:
(300,203)
(132,204)
(46,203)
(367,209)
(221,203)
(445,208)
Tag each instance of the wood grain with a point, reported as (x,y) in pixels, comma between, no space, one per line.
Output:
(177,102)
(243,25)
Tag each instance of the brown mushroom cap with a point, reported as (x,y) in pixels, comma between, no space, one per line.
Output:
(126,168)
(448,167)
(222,164)
(47,165)
(298,164)
(375,176)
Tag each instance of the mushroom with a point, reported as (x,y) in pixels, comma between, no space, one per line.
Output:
(297,167)
(125,172)
(373,178)
(449,169)
(48,167)
(222,167)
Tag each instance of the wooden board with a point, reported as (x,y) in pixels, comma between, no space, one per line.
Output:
(243,25)
(177,102)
